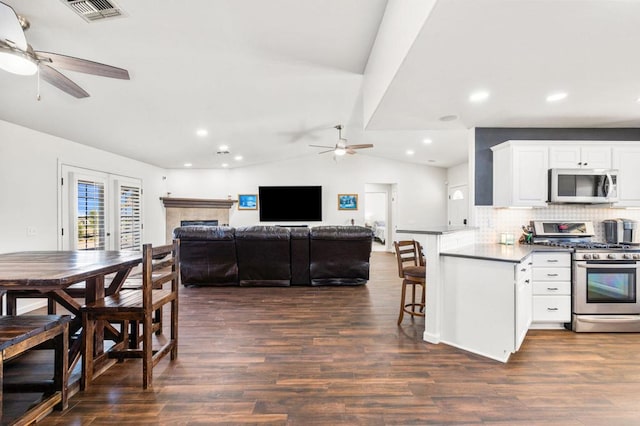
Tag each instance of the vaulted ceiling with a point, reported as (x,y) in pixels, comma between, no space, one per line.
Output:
(269,78)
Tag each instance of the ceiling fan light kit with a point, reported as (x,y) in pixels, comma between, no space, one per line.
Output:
(18,57)
(16,62)
(342,147)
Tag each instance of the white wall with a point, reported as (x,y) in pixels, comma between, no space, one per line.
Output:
(29,186)
(458,175)
(376,206)
(421,193)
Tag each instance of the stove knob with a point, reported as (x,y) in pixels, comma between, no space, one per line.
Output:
(611,256)
(586,256)
(596,256)
(636,256)
(626,256)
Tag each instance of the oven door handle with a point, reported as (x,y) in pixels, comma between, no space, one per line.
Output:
(608,265)
(612,319)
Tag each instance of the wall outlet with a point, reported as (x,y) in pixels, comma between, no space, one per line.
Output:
(32,230)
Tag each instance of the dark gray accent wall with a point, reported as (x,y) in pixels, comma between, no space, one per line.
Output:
(486,137)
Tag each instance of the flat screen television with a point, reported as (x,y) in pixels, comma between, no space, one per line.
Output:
(290,203)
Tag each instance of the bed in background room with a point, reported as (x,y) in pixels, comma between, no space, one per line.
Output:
(379,231)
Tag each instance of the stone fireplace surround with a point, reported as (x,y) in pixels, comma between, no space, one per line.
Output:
(179,209)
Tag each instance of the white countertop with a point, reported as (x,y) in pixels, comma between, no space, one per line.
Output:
(500,252)
(436,230)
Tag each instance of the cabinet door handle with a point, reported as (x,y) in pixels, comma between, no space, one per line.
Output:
(526,281)
(552,309)
(580,163)
(552,275)
(552,288)
(585,164)
(523,270)
(552,260)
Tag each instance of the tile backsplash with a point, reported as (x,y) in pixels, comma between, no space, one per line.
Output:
(494,221)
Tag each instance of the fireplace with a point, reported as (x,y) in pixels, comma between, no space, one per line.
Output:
(195,211)
(198,223)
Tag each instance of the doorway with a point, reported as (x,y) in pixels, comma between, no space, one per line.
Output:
(99,211)
(458,205)
(378,214)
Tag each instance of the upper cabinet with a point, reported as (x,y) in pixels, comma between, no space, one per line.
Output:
(626,159)
(521,168)
(577,156)
(520,174)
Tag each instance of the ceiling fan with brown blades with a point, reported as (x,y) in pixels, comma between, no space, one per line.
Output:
(341,147)
(18,57)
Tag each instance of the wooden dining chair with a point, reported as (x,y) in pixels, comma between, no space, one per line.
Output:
(138,307)
(412,270)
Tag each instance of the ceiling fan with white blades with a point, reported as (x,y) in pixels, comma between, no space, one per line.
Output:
(341,147)
(18,57)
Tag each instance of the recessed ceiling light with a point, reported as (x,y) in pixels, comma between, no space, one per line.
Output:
(427,141)
(202,132)
(410,152)
(188,164)
(225,165)
(223,148)
(431,161)
(479,96)
(448,117)
(555,97)
(238,157)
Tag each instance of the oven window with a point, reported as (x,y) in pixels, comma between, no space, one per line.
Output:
(611,285)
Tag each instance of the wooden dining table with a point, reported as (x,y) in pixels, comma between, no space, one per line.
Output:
(52,272)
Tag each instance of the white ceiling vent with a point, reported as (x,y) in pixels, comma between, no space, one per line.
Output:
(95,10)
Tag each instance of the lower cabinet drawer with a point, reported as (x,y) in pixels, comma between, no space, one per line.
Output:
(552,308)
(552,274)
(549,288)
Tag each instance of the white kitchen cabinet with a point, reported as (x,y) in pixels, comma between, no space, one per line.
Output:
(551,278)
(578,156)
(486,305)
(520,174)
(626,159)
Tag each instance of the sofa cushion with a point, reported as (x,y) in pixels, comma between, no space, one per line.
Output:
(339,255)
(262,232)
(207,255)
(202,232)
(264,255)
(341,233)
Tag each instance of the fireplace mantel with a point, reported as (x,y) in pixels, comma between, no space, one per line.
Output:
(197,203)
(179,209)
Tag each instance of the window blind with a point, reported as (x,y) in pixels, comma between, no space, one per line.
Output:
(90,219)
(130,218)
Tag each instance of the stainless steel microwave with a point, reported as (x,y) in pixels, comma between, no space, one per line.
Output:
(584,186)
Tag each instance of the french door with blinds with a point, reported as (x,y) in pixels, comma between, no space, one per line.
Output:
(100,211)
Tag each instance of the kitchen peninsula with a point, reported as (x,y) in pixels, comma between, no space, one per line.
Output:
(434,240)
(479,296)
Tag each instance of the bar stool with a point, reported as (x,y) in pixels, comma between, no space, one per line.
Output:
(412,270)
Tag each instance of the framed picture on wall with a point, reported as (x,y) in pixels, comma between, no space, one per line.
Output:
(347,201)
(247,202)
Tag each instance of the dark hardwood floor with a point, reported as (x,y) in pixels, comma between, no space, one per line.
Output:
(334,356)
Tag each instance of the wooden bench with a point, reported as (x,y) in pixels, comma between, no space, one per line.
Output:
(18,334)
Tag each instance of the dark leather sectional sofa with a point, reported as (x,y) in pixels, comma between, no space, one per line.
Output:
(274,256)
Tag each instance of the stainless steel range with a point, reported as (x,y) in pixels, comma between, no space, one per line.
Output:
(604,277)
